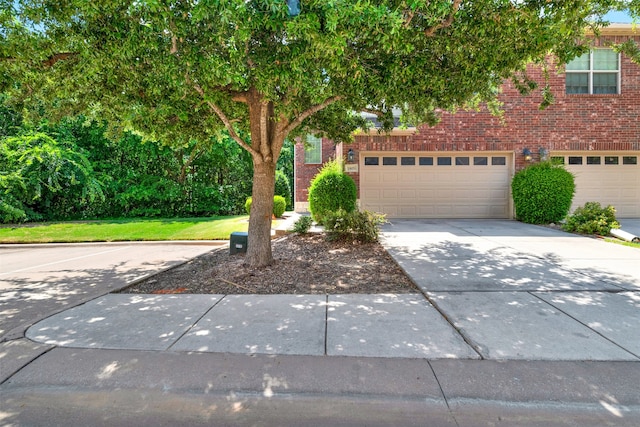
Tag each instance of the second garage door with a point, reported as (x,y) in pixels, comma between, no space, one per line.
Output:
(436,185)
(610,178)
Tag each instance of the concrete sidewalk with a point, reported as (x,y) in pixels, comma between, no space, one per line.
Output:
(515,325)
(400,326)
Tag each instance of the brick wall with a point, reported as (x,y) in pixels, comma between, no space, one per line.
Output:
(572,122)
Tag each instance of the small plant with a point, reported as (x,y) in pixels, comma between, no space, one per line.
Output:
(302,225)
(592,218)
(542,193)
(330,191)
(279,206)
(361,226)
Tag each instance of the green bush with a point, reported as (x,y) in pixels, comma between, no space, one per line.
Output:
(11,214)
(330,191)
(361,226)
(542,193)
(592,218)
(302,225)
(279,206)
(283,189)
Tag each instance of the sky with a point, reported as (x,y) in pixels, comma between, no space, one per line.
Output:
(619,17)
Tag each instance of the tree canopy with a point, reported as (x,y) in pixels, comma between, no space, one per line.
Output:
(175,70)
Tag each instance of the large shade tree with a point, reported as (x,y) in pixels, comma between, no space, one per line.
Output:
(259,71)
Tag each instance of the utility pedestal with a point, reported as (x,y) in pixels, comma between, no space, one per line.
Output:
(238,242)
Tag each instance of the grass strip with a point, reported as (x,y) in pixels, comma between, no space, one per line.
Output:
(212,228)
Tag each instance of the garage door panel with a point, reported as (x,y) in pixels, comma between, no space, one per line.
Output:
(406,211)
(444,191)
(427,193)
(389,176)
(407,194)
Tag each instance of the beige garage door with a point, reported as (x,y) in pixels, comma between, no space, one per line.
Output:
(436,185)
(607,177)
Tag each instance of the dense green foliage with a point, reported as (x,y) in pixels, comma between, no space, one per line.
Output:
(542,193)
(592,218)
(302,225)
(40,175)
(330,191)
(72,171)
(361,226)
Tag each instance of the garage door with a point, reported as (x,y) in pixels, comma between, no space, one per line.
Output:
(436,185)
(608,178)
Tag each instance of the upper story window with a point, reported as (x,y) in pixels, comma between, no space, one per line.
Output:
(596,72)
(313,150)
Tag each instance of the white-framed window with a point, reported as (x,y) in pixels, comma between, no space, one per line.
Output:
(596,72)
(313,150)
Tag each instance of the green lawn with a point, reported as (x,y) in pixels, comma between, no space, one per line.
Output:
(213,228)
(622,242)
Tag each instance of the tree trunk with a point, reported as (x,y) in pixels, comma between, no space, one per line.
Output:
(259,244)
(266,143)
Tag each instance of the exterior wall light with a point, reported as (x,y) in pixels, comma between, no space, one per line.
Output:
(527,154)
(544,153)
(350,155)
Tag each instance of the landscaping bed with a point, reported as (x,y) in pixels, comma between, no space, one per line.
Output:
(304,264)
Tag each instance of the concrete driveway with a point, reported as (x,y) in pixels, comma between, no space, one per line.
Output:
(518,291)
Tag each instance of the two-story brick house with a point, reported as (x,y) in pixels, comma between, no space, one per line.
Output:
(462,167)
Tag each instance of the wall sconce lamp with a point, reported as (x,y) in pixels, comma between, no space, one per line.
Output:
(527,154)
(544,153)
(350,155)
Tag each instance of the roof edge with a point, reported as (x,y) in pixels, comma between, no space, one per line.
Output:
(618,30)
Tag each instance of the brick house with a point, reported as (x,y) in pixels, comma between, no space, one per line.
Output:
(462,168)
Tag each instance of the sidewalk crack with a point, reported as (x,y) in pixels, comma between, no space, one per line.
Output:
(195,323)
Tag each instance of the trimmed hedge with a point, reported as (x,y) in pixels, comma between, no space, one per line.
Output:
(542,193)
(330,191)
(279,206)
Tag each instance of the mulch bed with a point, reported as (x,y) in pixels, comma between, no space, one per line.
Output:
(304,264)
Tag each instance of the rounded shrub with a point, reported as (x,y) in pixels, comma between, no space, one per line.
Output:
(279,206)
(283,188)
(592,218)
(542,193)
(330,191)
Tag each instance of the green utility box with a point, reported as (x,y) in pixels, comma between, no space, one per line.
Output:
(238,242)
